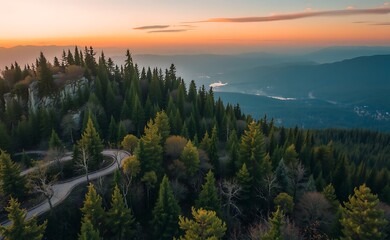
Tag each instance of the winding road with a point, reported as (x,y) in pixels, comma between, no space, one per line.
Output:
(64,188)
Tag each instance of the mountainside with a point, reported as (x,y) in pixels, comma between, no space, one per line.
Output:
(308,113)
(359,81)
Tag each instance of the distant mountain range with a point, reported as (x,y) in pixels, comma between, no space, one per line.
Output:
(349,93)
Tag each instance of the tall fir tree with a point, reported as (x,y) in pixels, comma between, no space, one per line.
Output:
(162,122)
(190,158)
(276,222)
(88,232)
(92,208)
(165,213)
(12,184)
(361,219)
(21,228)
(150,154)
(208,197)
(120,218)
(252,153)
(90,140)
(205,226)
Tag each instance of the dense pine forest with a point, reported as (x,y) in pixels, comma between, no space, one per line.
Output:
(196,169)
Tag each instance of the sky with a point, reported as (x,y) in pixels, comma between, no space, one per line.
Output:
(201,25)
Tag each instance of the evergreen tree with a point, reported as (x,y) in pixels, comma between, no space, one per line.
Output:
(55,142)
(281,173)
(88,232)
(190,158)
(285,202)
(165,213)
(208,197)
(119,217)
(20,228)
(252,153)
(245,180)
(162,122)
(213,150)
(91,141)
(150,154)
(92,209)
(45,77)
(361,219)
(205,226)
(277,222)
(112,131)
(330,195)
(12,184)
(290,155)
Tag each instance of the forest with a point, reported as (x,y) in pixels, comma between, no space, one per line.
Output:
(196,168)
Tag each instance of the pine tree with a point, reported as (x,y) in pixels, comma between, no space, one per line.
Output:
(20,228)
(45,77)
(208,197)
(330,195)
(88,232)
(252,152)
(12,184)
(213,150)
(165,213)
(162,122)
(119,217)
(361,219)
(290,155)
(285,202)
(92,209)
(205,226)
(190,158)
(277,222)
(245,180)
(281,173)
(150,155)
(91,141)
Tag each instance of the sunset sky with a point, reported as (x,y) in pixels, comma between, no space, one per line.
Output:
(201,24)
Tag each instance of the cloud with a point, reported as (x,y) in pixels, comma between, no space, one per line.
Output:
(218,84)
(381,24)
(151,27)
(168,31)
(306,14)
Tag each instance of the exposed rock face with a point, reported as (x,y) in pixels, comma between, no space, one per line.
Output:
(70,89)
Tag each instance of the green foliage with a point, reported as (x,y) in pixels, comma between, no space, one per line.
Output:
(252,153)
(55,142)
(20,228)
(361,219)
(119,218)
(91,142)
(149,151)
(92,209)
(129,143)
(208,198)
(45,77)
(330,195)
(281,173)
(162,122)
(276,221)
(12,184)
(88,232)
(205,226)
(244,179)
(290,155)
(190,158)
(284,202)
(165,213)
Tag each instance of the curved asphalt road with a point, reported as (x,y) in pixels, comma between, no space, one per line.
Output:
(63,189)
